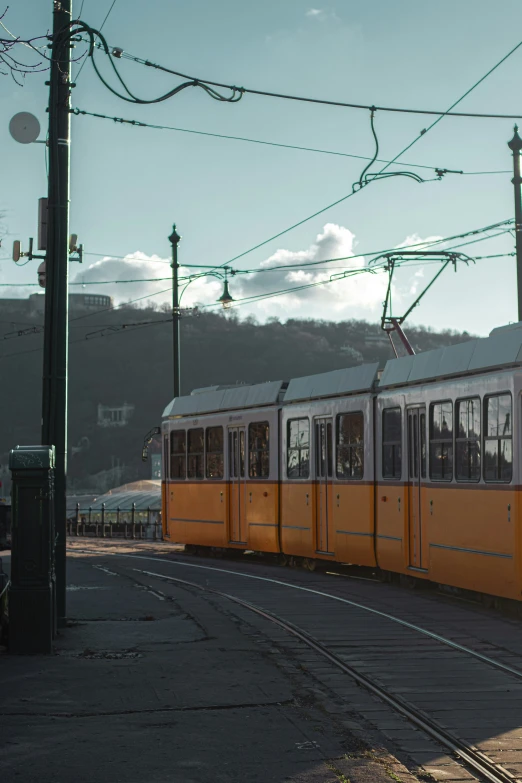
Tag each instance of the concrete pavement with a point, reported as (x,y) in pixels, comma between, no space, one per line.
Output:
(153,683)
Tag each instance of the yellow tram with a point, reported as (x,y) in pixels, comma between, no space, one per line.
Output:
(414,470)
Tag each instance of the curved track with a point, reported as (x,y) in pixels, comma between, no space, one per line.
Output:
(355,604)
(389,657)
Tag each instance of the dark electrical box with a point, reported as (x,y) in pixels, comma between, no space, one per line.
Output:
(42,223)
(31,593)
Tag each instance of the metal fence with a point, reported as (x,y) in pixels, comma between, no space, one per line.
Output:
(116,523)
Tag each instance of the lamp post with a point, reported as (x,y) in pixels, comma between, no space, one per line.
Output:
(226,300)
(515,145)
(176,345)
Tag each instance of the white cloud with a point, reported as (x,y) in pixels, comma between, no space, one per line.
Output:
(321,14)
(359,295)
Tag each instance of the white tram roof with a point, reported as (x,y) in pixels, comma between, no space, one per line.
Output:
(330,384)
(503,348)
(225,398)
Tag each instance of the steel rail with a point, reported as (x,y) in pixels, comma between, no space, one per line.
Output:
(467,754)
(416,628)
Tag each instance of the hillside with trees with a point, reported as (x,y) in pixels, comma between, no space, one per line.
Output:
(124,356)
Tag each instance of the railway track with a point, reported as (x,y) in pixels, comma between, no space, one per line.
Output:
(458,696)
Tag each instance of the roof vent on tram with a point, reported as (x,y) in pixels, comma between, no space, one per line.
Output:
(507,328)
(206,389)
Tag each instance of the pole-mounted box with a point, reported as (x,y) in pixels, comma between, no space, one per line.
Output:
(31,594)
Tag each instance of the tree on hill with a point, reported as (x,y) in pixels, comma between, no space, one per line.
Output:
(111,366)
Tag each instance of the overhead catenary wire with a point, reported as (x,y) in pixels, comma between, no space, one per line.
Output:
(293,289)
(101,28)
(108,330)
(399,155)
(236,94)
(317,150)
(296,266)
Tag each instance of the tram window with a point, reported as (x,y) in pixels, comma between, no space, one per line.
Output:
(195,453)
(391,443)
(259,449)
(350,446)
(298,448)
(467,440)
(165,456)
(178,459)
(214,452)
(441,441)
(498,451)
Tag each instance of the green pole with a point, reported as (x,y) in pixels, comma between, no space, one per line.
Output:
(54,393)
(176,346)
(515,145)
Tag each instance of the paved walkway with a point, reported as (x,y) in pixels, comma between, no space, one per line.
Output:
(161,684)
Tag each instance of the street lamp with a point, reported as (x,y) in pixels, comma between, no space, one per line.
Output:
(225,298)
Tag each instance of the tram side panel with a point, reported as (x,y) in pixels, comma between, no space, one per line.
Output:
(354,493)
(262,479)
(221,487)
(447,505)
(194,485)
(327,496)
(471,503)
(392,495)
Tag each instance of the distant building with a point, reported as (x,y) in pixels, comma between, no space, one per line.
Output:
(76,302)
(114,415)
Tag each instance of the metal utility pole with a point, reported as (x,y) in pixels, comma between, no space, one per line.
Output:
(174,240)
(54,396)
(515,145)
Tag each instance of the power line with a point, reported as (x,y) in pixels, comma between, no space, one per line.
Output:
(139,124)
(459,100)
(299,266)
(107,15)
(352,193)
(285,96)
(101,28)
(98,41)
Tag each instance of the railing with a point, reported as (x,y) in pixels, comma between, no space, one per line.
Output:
(130,530)
(100,523)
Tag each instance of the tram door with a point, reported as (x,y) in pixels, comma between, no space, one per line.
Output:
(416,472)
(237,484)
(323,473)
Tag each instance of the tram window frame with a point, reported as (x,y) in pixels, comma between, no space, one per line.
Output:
(303,473)
(395,446)
(351,446)
(259,457)
(467,440)
(178,457)
(443,443)
(197,458)
(490,438)
(213,453)
(166,455)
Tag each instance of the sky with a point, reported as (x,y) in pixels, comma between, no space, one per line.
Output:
(130,184)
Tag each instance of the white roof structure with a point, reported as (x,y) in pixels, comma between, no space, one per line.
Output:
(503,348)
(330,384)
(225,398)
